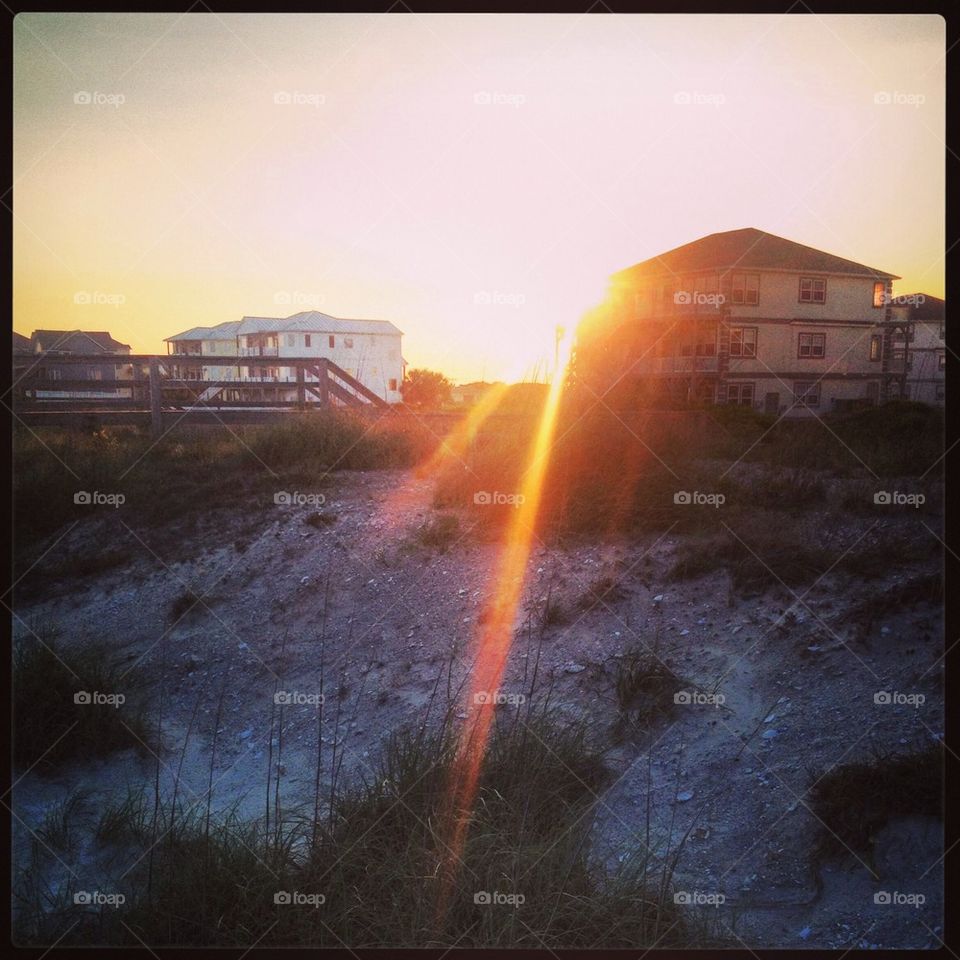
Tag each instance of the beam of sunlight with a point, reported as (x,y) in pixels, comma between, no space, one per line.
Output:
(417,492)
(495,637)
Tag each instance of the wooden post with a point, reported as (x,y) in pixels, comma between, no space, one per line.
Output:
(301,388)
(156,395)
(324,382)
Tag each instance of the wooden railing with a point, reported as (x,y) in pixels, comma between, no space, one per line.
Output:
(144,382)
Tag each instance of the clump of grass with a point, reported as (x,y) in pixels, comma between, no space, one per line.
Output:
(645,687)
(854,801)
(555,613)
(58,828)
(605,591)
(440,532)
(377,860)
(776,488)
(53,720)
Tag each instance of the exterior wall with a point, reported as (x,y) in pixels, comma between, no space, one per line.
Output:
(847,298)
(373,358)
(692,358)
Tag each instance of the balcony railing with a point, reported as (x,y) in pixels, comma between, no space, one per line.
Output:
(259,351)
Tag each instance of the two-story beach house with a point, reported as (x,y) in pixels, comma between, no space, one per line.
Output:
(746,317)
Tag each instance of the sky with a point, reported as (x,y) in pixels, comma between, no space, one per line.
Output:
(473,179)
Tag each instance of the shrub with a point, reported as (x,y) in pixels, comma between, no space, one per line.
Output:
(49,725)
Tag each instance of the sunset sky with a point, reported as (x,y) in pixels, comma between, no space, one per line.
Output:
(473,179)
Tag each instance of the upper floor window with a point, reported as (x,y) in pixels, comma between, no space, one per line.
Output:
(941,361)
(745,288)
(306,339)
(392,384)
(813,290)
(879,294)
(811,345)
(743,341)
(291,339)
(876,347)
(331,340)
(348,342)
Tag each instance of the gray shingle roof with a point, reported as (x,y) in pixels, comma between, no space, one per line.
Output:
(747,249)
(309,321)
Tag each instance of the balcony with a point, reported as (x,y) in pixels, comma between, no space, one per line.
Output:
(259,351)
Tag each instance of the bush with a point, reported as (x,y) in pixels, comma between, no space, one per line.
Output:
(49,725)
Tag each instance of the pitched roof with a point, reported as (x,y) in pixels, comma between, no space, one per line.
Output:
(748,249)
(222,331)
(309,321)
(78,341)
(21,344)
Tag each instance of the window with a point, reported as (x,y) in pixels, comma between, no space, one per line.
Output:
(740,394)
(392,384)
(876,347)
(291,340)
(811,345)
(705,283)
(348,342)
(813,290)
(806,393)
(940,332)
(743,341)
(331,340)
(879,294)
(745,288)
(941,361)
(306,339)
